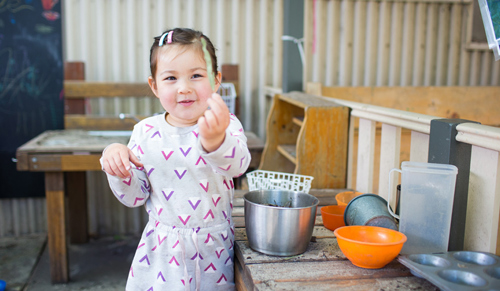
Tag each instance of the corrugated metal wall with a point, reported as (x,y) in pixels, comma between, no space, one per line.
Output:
(347,43)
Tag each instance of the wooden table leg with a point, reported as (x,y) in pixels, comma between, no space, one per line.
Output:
(76,188)
(58,251)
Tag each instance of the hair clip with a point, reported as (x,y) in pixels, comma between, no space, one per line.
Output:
(162,38)
(169,37)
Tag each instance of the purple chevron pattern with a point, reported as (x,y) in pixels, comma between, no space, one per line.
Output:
(219,251)
(167,196)
(165,155)
(137,200)
(230,155)
(194,205)
(160,275)
(177,172)
(195,133)
(210,269)
(150,232)
(150,171)
(128,182)
(222,280)
(241,162)
(157,133)
(146,259)
(184,283)
(226,167)
(196,255)
(224,235)
(228,261)
(185,153)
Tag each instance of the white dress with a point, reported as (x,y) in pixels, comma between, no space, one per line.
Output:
(188,193)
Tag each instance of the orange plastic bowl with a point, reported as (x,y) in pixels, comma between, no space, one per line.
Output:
(333,216)
(369,247)
(343,198)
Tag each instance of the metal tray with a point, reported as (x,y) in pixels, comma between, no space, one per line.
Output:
(456,271)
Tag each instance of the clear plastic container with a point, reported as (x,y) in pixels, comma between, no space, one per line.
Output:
(427,193)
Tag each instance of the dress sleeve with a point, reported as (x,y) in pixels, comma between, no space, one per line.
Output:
(232,158)
(134,190)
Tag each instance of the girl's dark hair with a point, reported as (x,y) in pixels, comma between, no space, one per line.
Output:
(184,37)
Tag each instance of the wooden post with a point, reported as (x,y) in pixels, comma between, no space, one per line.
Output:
(293,25)
(58,251)
(76,187)
(445,149)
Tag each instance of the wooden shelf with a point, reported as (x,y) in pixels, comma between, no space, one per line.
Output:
(307,135)
(289,151)
(298,120)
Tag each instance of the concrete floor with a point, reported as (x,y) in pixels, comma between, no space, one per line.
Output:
(101,264)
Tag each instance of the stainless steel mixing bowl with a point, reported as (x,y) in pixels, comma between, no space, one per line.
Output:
(279,231)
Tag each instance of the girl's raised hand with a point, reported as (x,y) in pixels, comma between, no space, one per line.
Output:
(116,160)
(213,123)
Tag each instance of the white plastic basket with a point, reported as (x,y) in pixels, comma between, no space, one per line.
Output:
(228,94)
(268,180)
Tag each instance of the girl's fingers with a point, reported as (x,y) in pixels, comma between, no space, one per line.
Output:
(211,119)
(135,160)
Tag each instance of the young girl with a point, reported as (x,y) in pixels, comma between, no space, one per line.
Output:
(180,165)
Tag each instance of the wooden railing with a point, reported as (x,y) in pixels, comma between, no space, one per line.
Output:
(483,207)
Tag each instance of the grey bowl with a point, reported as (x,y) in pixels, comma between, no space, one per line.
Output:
(279,231)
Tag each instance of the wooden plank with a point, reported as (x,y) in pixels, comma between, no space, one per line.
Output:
(323,249)
(322,271)
(397,283)
(322,146)
(89,122)
(60,162)
(56,226)
(390,150)
(81,162)
(289,152)
(74,71)
(76,187)
(366,150)
(477,103)
(76,89)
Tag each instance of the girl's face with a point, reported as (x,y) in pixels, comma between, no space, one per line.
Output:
(182,85)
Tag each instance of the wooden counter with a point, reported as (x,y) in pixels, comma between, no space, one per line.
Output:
(321,267)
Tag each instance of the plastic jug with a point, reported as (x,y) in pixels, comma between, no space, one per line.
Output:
(426,203)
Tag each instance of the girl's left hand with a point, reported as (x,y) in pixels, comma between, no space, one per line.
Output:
(213,123)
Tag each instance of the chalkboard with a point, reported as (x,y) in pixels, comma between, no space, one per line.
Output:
(31,85)
(490,12)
